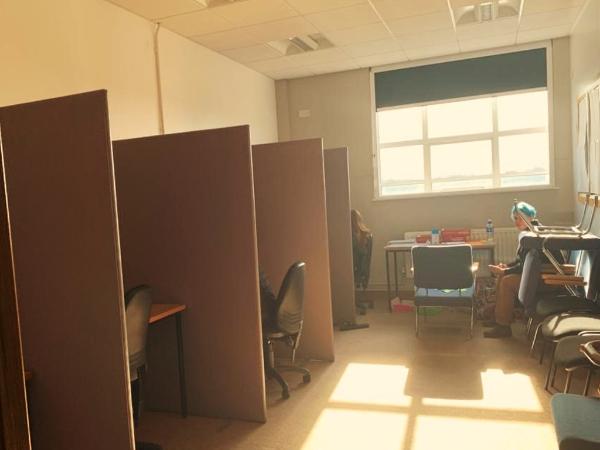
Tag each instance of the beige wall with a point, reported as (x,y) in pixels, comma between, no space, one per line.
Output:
(340,112)
(585,70)
(55,48)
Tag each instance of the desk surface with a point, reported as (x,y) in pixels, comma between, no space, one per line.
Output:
(401,246)
(161,311)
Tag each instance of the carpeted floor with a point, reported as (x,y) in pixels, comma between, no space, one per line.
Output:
(389,390)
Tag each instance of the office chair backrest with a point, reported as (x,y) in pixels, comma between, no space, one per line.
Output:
(443,266)
(138,302)
(291,300)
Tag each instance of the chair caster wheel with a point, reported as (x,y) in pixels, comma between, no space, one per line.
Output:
(306,378)
(285,394)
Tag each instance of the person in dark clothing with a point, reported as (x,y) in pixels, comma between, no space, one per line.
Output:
(509,278)
(268,301)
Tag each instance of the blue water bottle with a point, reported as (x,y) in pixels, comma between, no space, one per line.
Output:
(489,230)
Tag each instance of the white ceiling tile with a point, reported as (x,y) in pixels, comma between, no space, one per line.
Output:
(540,34)
(364,33)
(286,74)
(252,53)
(318,57)
(433,51)
(486,29)
(250,12)
(281,29)
(538,6)
(226,40)
(555,18)
(373,47)
(312,6)
(337,66)
(281,63)
(197,23)
(342,18)
(428,39)
(382,59)
(395,9)
(425,22)
(155,9)
(481,43)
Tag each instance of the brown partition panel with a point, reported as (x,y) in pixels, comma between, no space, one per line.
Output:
(291,220)
(186,212)
(60,190)
(14,422)
(337,184)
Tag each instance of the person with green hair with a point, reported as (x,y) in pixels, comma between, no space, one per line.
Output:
(509,276)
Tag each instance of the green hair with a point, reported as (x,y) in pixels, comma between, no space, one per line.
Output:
(524,208)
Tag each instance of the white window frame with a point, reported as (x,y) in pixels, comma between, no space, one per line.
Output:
(493,136)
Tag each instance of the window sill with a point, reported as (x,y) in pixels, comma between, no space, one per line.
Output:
(386,198)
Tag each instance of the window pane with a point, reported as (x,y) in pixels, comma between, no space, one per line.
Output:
(524,159)
(469,160)
(455,118)
(528,110)
(402,170)
(397,125)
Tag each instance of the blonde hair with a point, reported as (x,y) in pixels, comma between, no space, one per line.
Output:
(359,230)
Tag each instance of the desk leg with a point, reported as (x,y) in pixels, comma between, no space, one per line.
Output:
(493,255)
(182,385)
(396,273)
(389,284)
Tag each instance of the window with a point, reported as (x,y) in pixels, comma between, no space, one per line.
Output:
(491,141)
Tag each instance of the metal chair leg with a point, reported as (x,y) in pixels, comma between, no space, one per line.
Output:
(588,379)
(416,321)
(568,381)
(529,325)
(550,376)
(472,320)
(535,336)
(542,352)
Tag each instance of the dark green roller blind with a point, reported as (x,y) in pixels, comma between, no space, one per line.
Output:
(468,77)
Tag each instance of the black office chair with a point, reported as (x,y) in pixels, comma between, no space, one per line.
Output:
(576,417)
(288,325)
(362,272)
(443,276)
(138,302)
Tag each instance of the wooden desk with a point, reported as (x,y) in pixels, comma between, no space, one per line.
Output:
(161,311)
(395,247)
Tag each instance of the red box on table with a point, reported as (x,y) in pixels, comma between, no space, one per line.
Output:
(455,235)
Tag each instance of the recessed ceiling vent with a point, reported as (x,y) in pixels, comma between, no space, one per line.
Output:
(214,3)
(301,44)
(486,11)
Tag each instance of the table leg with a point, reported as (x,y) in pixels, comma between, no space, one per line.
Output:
(387,275)
(182,385)
(396,273)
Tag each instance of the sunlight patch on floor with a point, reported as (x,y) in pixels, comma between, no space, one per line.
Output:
(357,430)
(372,384)
(501,391)
(474,434)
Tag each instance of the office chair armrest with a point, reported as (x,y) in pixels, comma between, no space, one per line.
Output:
(591,351)
(562,280)
(588,333)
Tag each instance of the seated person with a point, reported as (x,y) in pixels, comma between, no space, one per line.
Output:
(360,253)
(509,278)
